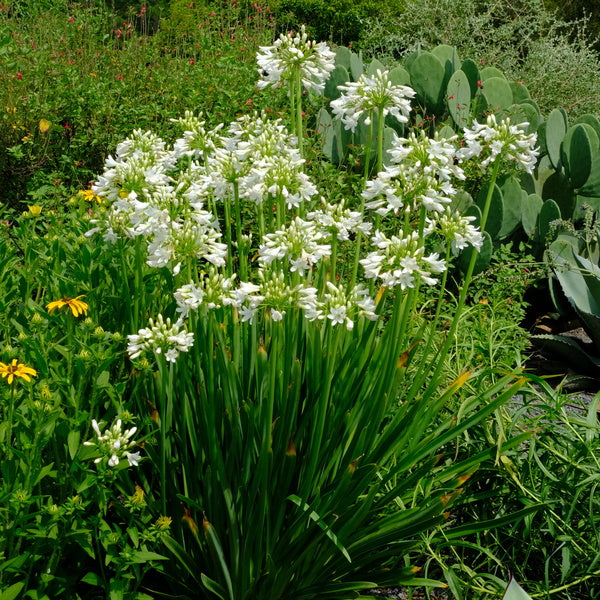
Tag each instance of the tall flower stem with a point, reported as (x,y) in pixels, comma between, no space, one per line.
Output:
(227,207)
(467,280)
(368,149)
(166,418)
(241,244)
(299,128)
(380,125)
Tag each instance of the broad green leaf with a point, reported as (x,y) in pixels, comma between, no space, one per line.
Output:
(12,592)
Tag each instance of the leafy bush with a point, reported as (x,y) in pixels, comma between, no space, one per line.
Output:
(73,83)
(524,40)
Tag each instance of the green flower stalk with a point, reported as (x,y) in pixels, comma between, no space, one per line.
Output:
(302,64)
(373,96)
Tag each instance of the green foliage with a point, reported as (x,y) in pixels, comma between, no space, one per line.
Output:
(523,39)
(552,548)
(574,258)
(339,21)
(67,526)
(94,76)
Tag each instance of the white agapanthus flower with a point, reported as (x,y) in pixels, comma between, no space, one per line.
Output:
(197,141)
(492,140)
(401,261)
(341,307)
(278,177)
(369,94)
(298,244)
(213,291)
(423,176)
(339,221)
(293,53)
(176,241)
(458,230)
(115,444)
(272,293)
(161,337)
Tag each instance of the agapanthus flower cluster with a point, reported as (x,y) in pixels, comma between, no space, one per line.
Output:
(258,160)
(161,337)
(339,221)
(401,261)
(213,291)
(458,231)
(115,444)
(493,140)
(299,245)
(197,141)
(339,306)
(273,292)
(423,176)
(151,194)
(370,94)
(292,54)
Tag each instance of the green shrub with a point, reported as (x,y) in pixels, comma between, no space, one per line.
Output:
(92,78)
(527,42)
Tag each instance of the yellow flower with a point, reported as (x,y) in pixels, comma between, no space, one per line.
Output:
(16,369)
(35,210)
(77,306)
(89,196)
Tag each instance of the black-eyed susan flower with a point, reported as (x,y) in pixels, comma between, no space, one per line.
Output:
(16,369)
(77,306)
(89,196)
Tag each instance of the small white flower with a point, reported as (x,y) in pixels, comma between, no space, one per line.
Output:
(295,53)
(114,444)
(492,140)
(161,337)
(372,93)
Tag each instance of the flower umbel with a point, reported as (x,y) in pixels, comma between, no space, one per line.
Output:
(369,94)
(492,140)
(115,444)
(77,306)
(161,337)
(16,369)
(296,53)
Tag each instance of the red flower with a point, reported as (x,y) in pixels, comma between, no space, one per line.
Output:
(19,75)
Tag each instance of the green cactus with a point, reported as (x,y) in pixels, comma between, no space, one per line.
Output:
(356,66)
(343,57)
(428,75)
(592,121)
(579,279)
(375,66)
(497,93)
(458,98)
(496,215)
(530,213)
(556,128)
(339,76)
(489,72)
(448,56)
(469,68)
(549,214)
(576,153)
(519,91)
(512,199)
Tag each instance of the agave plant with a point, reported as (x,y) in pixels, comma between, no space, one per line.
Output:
(575,284)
